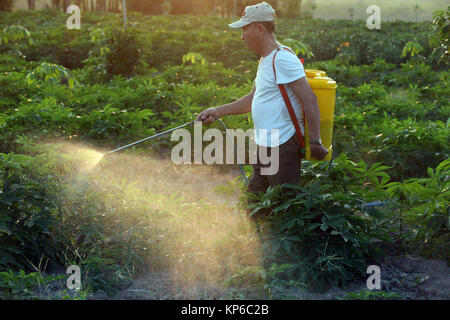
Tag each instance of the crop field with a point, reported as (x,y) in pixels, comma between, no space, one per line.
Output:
(134,222)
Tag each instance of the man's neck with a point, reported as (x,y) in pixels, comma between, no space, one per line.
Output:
(268,46)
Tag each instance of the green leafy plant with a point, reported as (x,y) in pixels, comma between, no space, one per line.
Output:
(372,295)
(439,39)
(15,33)
(123,54)
(29,214)
(323,227)
(21,285)
(11,36)
(412,48)
(397,144)
(423,207)
(270,280)
(192,57)
(53,73)
(299,47)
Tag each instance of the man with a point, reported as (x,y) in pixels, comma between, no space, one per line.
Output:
(266,103)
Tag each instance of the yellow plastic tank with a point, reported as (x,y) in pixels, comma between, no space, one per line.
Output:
(325,90)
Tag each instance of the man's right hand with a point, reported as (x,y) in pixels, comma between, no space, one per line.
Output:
(207,116)
(318,151)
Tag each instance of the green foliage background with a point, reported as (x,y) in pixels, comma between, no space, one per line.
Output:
(107,86)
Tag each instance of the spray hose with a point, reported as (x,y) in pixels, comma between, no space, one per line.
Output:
(367,205)
(189,124)
(173,129)
(149,138)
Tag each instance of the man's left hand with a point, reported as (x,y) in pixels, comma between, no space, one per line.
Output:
(318,151)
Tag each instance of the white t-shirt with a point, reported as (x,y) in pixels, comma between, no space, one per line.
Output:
(269,110)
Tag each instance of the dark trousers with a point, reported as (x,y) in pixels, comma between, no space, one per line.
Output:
(289,167)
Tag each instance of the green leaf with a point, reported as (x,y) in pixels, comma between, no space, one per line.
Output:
(300,223)
(287,246)
(294,238)
(313,226)
(289,224)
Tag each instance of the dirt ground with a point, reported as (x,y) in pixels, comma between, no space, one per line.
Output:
(412,277)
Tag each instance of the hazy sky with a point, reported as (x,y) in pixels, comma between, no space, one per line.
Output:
(390,9)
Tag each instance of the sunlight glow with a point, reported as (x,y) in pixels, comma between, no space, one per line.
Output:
(186,227)
(85,158)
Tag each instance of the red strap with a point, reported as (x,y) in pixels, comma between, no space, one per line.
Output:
(287,101)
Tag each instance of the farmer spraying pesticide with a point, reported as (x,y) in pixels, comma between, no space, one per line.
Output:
(280,100)
(292,109)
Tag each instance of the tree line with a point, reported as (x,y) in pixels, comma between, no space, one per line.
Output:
(224,8)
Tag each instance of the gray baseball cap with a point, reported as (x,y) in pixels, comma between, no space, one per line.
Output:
(256,13)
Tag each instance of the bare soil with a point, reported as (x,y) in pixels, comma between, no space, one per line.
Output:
(411,277)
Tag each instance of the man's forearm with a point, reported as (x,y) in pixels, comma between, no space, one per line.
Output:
(243,105)
(312,114)
(308,100)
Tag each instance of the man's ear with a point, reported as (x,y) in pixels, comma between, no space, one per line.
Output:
(260,28)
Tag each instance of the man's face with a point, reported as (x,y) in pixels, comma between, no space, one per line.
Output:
(250,35)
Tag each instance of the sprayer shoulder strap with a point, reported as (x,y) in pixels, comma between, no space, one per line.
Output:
(287,101)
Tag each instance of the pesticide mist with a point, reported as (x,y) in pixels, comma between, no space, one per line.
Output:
(169,215)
